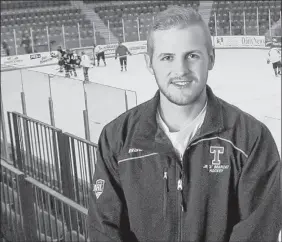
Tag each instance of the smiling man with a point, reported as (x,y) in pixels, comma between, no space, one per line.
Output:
(186,165)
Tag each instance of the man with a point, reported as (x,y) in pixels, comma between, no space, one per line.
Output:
(274,56)
(60,56)
(186,165)
(85,63)
(26,43)
(6,48)
(100,54)
(122,51)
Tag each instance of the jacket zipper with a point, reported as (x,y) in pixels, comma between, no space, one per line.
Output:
(165,177)
(180,196)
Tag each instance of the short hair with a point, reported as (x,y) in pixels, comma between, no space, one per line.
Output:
(179,17)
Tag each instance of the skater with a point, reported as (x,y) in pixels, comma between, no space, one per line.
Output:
(6,48)
(100,54)
(67,63)
(122,51)
(274,56)
(72,60)
(60,56)
(85,63)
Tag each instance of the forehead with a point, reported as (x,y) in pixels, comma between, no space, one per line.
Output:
(179,39)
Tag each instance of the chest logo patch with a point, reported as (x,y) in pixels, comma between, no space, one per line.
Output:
(99,187)
(216,165)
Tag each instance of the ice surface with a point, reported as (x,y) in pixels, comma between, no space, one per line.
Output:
(240,77)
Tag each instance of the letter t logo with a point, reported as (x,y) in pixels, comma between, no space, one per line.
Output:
(216,150)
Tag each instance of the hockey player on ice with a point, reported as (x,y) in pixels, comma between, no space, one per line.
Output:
(72,61)
(86,64)
(60,57)
(100,54)
(122,51)
(274,56)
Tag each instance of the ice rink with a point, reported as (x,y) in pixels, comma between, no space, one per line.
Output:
(240,77)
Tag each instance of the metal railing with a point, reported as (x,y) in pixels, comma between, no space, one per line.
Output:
(35,149)
(82,155)
(11,209)
(31,211)
(61,161)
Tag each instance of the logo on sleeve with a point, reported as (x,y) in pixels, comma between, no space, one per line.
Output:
(216,163)
(99,187)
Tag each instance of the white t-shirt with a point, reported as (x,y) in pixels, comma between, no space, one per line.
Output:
(181,138)
(85,61)
(274,55)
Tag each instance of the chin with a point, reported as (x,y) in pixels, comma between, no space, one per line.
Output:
(182,98)
(182,101)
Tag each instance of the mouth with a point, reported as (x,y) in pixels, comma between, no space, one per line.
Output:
(182,84)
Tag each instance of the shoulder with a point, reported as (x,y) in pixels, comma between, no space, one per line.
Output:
(242,127)
(234,115)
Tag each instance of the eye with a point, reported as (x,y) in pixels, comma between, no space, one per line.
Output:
(167,58)
(193,56)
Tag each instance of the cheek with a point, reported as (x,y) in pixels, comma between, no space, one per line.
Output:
(200,68)
(160,71)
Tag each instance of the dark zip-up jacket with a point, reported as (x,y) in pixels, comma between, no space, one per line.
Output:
(227,186)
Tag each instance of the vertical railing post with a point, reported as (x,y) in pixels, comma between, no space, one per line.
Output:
(244,20)
(27,201)
(94,33)
(51,107)
(230,23)
(215,24)
(63,35)
(4,133)
(269,22)
(257,22)
(79,36)
(123,31)
(138,29)
(18,159)
(15,41)
(66,175)
(32,42)
(109,31)
(66,168)
(48,38)
(126,100)
(86,117)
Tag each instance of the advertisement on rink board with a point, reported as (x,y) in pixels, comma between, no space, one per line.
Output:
(239,41)
(28,60)
(274,41)
(136,47)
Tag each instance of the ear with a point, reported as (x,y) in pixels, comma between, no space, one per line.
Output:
(211,59)
(148,63)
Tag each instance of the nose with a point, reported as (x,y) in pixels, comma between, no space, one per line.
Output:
(180,66)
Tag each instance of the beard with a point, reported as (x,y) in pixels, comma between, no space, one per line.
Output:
(182,96)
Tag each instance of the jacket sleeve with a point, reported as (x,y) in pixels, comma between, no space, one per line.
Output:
(107,214)
(259,193)
(128,51)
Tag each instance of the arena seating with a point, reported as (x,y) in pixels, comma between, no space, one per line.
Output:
(7,5)
(130,11)
(37,19)
(22,15)
(222,9)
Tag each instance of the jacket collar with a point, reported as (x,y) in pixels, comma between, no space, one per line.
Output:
(149,136)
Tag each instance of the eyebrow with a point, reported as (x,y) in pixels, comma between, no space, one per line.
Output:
(187,53)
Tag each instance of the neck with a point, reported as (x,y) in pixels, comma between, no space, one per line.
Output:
(176,116)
